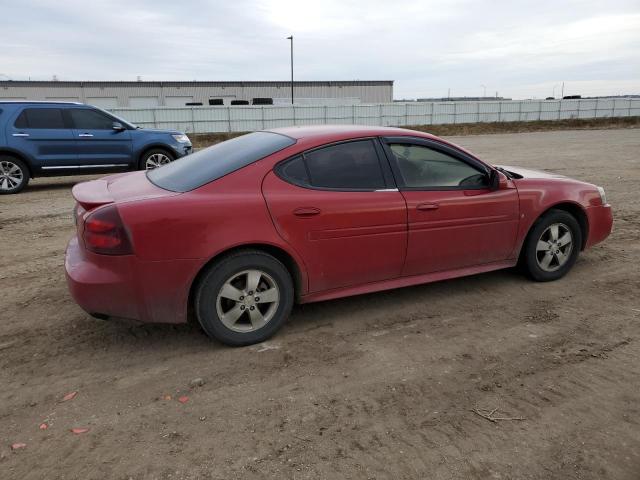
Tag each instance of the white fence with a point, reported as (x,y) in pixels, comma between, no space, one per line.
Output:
(250,118)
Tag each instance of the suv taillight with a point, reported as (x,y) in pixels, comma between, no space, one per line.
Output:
(104,232)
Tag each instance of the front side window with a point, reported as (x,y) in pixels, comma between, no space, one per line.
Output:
(85,119)
(346,166)
(40,118)
(423,167)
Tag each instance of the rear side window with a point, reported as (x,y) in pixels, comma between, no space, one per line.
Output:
(21,121)
(295,171)
(346,166)
(207,165)
(41,118)
(85,119)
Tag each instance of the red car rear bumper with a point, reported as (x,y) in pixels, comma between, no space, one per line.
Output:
(600,220)
(126,287)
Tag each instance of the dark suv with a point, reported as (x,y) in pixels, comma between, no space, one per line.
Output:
(59,138)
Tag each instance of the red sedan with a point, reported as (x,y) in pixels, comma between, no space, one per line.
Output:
(238,232)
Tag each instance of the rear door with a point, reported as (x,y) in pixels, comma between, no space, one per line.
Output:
(98,144)
(43,134)
(455,219)
(338,208)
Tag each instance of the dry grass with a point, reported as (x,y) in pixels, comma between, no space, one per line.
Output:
(202,140)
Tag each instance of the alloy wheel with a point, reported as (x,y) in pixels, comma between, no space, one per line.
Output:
(248,301)
(11,175)
(554,247)
(156,160)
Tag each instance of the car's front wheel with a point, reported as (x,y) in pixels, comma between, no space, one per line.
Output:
(154,159)
(244,298)
(14,175)
(552,246)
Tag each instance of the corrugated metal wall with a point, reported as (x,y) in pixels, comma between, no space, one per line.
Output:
(249,118)
(133,94)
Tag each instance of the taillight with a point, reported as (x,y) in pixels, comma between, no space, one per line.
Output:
(104,232)
(78,212)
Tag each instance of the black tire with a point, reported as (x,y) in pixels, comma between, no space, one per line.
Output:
(142,164)
(10,164)
(531,255)
(218,274)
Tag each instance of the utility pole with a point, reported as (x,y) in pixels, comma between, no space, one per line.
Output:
(562,93)
(291,38)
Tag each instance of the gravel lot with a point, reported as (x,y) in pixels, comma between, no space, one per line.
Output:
(375,386)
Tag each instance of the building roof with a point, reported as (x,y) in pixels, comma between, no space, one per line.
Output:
(110,83)
(39,102)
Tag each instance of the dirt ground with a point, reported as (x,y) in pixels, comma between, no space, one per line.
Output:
(374,386)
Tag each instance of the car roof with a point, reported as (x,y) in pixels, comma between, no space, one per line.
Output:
(345,132)
(317,135)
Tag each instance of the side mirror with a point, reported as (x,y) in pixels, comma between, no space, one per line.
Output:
(118,127)
(494,180)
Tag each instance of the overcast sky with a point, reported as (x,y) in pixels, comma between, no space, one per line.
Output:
(520,49)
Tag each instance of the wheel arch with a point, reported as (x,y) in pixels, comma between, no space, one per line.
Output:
(574,209)
(154,146)
(15,154)
(297,274)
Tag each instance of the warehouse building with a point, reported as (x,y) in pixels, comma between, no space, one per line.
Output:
(179,94)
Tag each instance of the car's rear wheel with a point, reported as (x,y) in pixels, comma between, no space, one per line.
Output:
(244,298)
(155,158)
(552,246)
(14,175)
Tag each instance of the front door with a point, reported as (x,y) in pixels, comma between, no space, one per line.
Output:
(455,219)
(338,209)
(98,144)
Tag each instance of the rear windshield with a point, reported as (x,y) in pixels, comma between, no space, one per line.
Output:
(207,165)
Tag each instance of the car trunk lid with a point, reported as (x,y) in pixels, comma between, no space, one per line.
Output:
(123,187)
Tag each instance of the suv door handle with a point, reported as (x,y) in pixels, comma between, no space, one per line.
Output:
(306,211)
(20,134)
(428,206)
(85,135)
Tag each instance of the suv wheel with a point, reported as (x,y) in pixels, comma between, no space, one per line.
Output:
(552,246)
(14,175)
(155,158)
(244,298)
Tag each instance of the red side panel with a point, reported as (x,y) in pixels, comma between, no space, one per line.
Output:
(345,238)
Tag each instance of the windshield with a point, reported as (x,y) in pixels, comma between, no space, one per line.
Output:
(204,166)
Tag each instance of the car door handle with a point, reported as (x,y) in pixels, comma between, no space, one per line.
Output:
(20,134)
(428,206)
(85,135)
(306,211)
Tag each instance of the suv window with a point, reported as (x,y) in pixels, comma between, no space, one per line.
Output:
(423,167)
(348,166)
(86,119)
(21,121)
(207,165)
(42,118)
